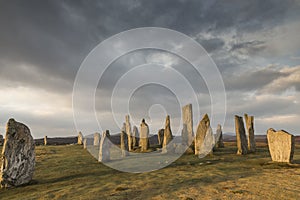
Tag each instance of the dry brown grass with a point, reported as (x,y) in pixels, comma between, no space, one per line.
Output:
(69,172)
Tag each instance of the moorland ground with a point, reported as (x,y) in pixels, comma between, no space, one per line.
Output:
(70,172)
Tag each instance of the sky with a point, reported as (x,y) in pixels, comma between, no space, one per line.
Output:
(255,45)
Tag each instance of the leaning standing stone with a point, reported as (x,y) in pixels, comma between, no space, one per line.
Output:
(104,151)
(219,134)
(187,133)
(124,143)
(204,141)
(96,139)
(241,138)
(160,136)
(167,135)
(250,131)
(281,145)
(18,156)
(144,136)
(80,138)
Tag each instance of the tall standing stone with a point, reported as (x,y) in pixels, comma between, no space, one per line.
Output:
(128,131)
(124,142)
(80,138)
(250,131)
(45,140)
(104,150)
(281,145)
(160,136)
(85,143)
(219,134)
(241,139)
(18,156)
(204,141)
(187,133)
(96,139)
(167,135)
(144,136)
(135,135)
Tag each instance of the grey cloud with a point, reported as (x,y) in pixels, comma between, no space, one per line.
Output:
(290,80)
(252,80)
(263,107)
(41,125)
(14,75)
(51,38)
(212,44)
(250,47)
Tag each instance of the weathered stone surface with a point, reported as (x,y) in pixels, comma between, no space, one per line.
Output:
(250,133)
(219,136)
(124,142)
(204,141)
(187,133)
(104,150)
(80,138)
(85,143)
(160,137)
(1,139)
(45,140)
(96,139)
(144,136)
(135,135)
(129,133)
(18,156)
(167,136)
(281,145)
(241,138)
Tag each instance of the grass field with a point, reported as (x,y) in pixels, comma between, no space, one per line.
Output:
(70,172)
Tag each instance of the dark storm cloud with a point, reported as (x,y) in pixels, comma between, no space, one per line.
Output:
(42,43)
(55,36)
(212,44)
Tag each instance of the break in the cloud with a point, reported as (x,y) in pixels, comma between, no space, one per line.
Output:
(255,45)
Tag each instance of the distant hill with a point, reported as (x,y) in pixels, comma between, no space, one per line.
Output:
(57,141)
(115,139)
(258,138)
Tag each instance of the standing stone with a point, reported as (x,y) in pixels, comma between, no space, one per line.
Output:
(144,136)
(187,133)
(135,135)
(18,156)
(45,140)
(104,151)
(204,141)
(96,139)
(84,143)
(167,135)
(281,145)
(128,131)
(1,139)
(219,134)
(80,138)
(160,136)
(250,131)
(124,142)
(241,139)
